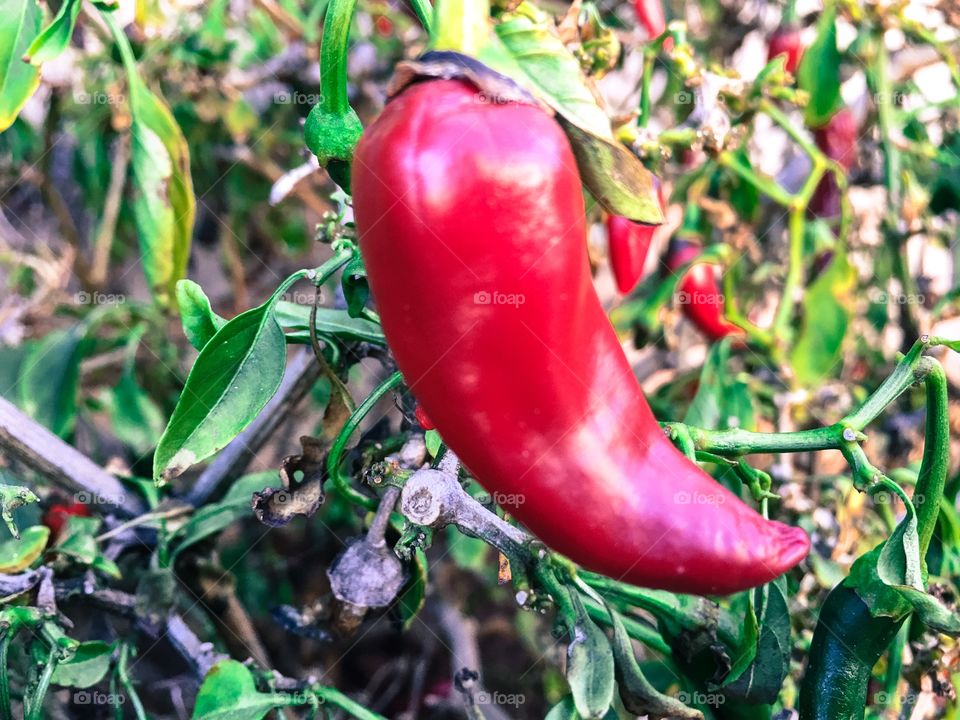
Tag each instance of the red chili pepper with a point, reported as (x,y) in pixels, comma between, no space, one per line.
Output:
(59,513)
(628,244)
(698,293)
(651,16)
(471,223)
(838,141)
(422,418)
(786,41)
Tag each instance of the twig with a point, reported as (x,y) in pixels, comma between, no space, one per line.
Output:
(111,211)
(62,464)
(301,374)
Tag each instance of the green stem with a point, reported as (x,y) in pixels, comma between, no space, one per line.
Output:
(424,12)
(8,635)
(783,321)
(36,703)
(936,456)
(335,457)
(460,25)
(332,696)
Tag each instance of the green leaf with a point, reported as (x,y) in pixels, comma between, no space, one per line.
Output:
(590,666)
(819,71)
(537,58)
(330,323)
(200,322)
(19,25)
(49,380)
(235,375)
(87,667)
(827,309)
(55,38)
(413,596)
(163,203)
(721,401)
(356,290)
(229,693)
(759,681)
(18,555)
(638,695)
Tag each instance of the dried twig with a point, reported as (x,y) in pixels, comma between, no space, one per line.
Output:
(62,464)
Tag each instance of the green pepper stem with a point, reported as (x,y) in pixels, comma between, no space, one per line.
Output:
(339,445)
(333,56)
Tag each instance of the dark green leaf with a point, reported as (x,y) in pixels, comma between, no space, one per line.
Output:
(590,666)
(19,24)
(55,38)
(819,71)
(827,308)
(49,379)
(236,374)
(87,667)
(200,322)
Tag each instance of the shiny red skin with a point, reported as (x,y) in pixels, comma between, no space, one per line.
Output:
(58,514)
(786,41)
(698,293)
(422,418)
(471,223)
(628,245)
(838,141)
(651,16)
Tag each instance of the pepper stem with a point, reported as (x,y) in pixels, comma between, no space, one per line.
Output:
(460,25)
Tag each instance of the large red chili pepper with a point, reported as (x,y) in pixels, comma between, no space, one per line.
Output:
(698,293)
(471,223)
(786,41)
(838,141)
(651,16)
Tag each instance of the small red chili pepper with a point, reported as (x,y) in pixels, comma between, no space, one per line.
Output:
(58,514)
(698,293)
(786,41)
(471,222)
(651,16)
(422,417)
(628,245)
(838,141)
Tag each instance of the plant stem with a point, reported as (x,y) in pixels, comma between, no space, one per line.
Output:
(333,56)
(335,457)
